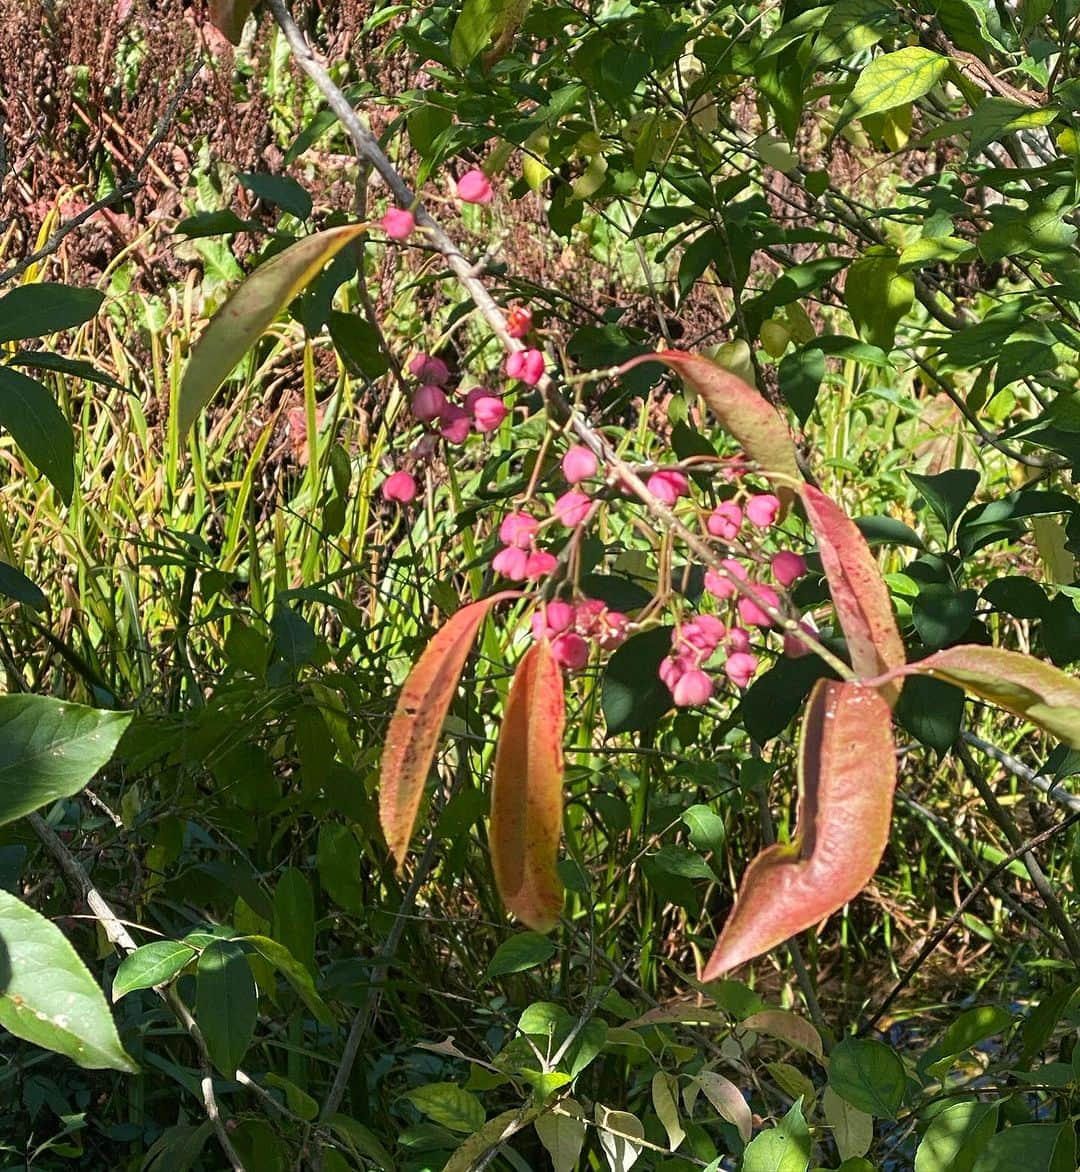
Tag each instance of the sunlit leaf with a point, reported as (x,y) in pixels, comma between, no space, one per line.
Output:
(858,590)
(617,1131)
(527,797)
(788,1027)
(783,1148)
(847,773)
(249,311)
(153,964)
(853,1130)
(746,414)
(418,720)
(893,79)
(728,1101)
(665,1100)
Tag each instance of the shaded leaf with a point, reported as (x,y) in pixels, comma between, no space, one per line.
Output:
(226,1003)
(29,412)
(853,1130)
(665,1100)
(153,964)
(61,364)
(878,296)
(563,1134)
(1034,1147)
(418,720)
(746,414)
(50,749)
(245,316)
(632,695)
(524,951)
(47,995)
(45,307)
(617,1131)
(526,795)
(280,190)
(15,584)
(294,972)
(787,1027)
(858,590)
(847,773)
(448,1105)
(728,1101)
(869,1075)
(947,493)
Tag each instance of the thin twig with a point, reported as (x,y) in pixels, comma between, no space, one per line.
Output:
(1019,769)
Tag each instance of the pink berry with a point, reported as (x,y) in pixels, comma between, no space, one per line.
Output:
(429,369)
(488,412)
(519,321)
(572,508)
(512,563)
(740,668)
(399,487)
(752,614)
(540,563)
(787,567)
(667,485)
(692,688)
(429,403)
(737,640)
(763,509)
(474,187)
(526,366)
(570,650)
(398,223)
(579,464)
(518,529)
(725,521)
(454,424)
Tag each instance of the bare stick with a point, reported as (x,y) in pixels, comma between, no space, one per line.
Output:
(1019,769)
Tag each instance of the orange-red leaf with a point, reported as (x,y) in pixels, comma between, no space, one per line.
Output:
(1029,687)
(418,720)
(527,796)
(847,774)
(858,590)
(751,419)
(229,16)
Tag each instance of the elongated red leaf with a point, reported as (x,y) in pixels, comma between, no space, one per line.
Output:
(858,590)
(751,419)
(847,774)
(418,720)
(1023,685)
(527,796)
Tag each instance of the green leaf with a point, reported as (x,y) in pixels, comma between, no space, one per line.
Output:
(524,951)
(294,916)
(800,376)
(280,190)
(15,584)
(50,749)
(31,311)
(47,995)
(245,316)
(707,829)
(783,1148)
(480,23)
(853,1130)
(1034,1147)
(153,964)
(971,1027)
(1017,596)
(357,341)
(869,1075)
(45,360)
(947,493)
(891,80)
(226,1003)
(878,296)
(297,1100)
(29,412)
(931,711)
(956,1136)
(340,862)
(632,695)
(294,972)
(448,1105)
(942,614)
(563,1135)
(994,118)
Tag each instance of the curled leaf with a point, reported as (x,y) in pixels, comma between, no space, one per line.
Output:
(742,411)
(526,798)
(1019,683)
(858,590)
(249,311)
(418,720)
(847,773)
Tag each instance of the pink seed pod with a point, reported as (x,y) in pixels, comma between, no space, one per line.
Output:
(718,585)
(579,464)
(429,369)
(725,521)
(429,403)
(488,412)
(752,614)
(552,619)
(572,508)
(474,187)
(526,366)
(613,632)
(763,509)
(399,487)
(668,485)
(703,633)
(519,321)
(518,529)
(740,668)
(570,650)
(589,617)
(454,424)
(398,223)
(512,563)
(787,567)
(671,670)
(738,640)
(473,395)
(540,563)
(692,688)
(794,647)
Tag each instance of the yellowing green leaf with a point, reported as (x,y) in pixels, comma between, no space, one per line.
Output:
(892,79)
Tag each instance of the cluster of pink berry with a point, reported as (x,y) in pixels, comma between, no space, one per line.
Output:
(571,628)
